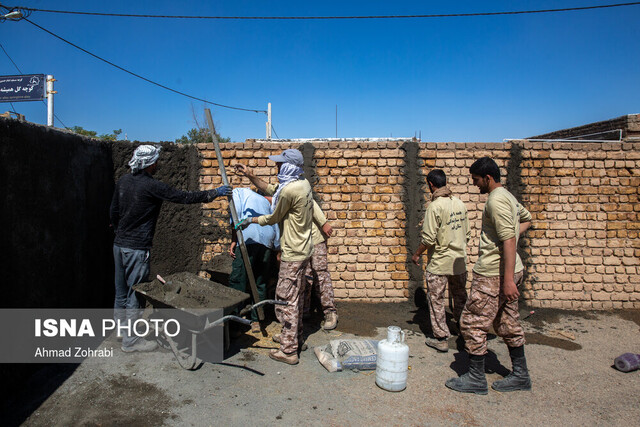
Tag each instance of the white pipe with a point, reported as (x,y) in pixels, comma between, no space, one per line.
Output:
(574,140)
(50,93)
(269,121)
(600,133)
(561,140)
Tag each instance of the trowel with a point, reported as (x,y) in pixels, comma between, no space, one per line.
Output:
(169,287)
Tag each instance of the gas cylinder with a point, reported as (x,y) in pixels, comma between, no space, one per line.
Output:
(392,361)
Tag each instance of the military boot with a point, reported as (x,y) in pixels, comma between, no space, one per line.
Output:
(473,381)
(301,347)
(440,344)
(330,321)
(519,378)
(279,356)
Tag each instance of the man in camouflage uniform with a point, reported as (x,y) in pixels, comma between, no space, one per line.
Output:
(317,275)
(494,290)
(292,209)
(445,233)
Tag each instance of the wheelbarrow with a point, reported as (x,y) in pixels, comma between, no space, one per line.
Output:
(195,320)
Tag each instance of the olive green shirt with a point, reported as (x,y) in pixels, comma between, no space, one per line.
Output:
(294,214)
(445,231)
(501,220)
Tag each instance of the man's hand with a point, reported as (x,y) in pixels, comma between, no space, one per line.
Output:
(242,170)
(327,229)
(416,258)
(232,250)
(279,256)
(509,289)
(225,190)
(244,223)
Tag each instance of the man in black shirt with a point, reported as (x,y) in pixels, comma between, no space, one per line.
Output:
(134,212)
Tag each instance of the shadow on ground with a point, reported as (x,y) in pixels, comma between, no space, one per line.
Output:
(39,382)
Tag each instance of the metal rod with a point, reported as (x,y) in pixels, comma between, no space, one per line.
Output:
(234,216)
(50,93)
(599,133)
(561,140)
(269,121)
(221,320)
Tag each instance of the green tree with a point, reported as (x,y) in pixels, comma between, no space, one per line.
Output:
(111,136)
(199,135)
(81,131)
(93,134)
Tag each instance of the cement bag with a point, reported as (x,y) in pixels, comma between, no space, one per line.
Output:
(347,354)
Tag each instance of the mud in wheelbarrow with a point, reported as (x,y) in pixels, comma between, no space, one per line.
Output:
(202,308)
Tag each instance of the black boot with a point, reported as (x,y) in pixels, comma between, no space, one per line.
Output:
(519,378)
(473,381)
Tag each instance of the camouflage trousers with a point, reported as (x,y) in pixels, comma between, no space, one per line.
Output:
(436,284)
(486,306)
(318,279)
(290,288)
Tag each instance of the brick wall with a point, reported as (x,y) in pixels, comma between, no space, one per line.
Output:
(626,126)
(582,253)
(585,250)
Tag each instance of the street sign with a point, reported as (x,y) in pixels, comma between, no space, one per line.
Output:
(27,87)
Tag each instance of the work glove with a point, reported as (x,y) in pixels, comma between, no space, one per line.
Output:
(243,223)
(225,190)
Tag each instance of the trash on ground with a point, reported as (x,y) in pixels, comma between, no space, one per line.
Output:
(627,362)
(562,333)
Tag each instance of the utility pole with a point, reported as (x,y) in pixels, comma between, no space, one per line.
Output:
(50,93)
(336,120)
(269,122)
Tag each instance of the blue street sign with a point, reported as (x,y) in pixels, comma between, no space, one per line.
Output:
(27,87)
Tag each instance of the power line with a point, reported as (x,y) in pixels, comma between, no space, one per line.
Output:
(20,71)
(14,64)
(138,75)
(445,15)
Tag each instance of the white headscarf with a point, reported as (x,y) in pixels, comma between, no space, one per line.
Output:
(144,156)
(288,173)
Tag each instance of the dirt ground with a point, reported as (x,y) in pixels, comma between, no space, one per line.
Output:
(570,356)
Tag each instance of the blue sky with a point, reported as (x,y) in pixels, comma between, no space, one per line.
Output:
(450,79)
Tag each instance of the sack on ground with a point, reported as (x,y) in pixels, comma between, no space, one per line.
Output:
(348,354)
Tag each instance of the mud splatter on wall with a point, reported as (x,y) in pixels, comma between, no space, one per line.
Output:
(413,197)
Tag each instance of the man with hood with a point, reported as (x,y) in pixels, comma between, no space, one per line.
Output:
(134,212)
(445,233)
(292,209)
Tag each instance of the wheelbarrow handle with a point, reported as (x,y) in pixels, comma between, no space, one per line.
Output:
(269,301)
(221,320)
(264,302)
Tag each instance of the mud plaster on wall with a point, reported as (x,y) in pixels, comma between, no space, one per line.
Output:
(308,151)
(179,237)
(413,196)
(516,186)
